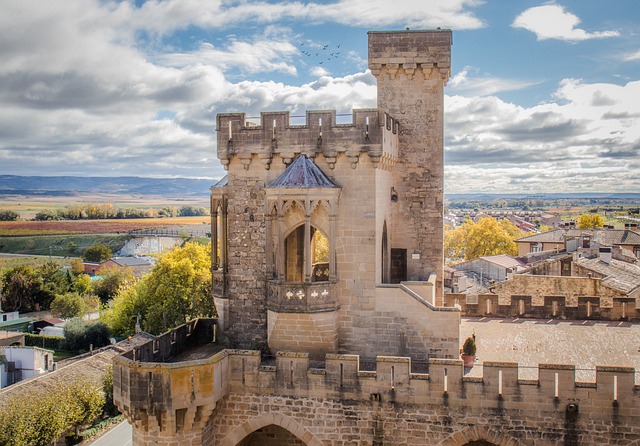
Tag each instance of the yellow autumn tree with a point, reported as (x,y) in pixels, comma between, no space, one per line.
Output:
(176,290)
(590,221)
(487,237)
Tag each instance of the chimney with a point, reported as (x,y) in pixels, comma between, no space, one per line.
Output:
(605,254)
(634,226)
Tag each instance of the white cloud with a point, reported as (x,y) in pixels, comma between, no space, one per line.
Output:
(467,82)
(318,72)
(587,143)
(553,22)
(167,16)
(251,57)
(632,56)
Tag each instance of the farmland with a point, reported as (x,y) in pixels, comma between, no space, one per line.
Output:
(68,227)
(72,237)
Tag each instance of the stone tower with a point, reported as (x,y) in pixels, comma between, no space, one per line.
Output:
(369,192)
(411,68)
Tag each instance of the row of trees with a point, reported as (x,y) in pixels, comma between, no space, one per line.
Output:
(25,288)
(98,211)
(66,292)
(45,415)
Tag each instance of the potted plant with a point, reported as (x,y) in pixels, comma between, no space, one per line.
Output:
(469,352)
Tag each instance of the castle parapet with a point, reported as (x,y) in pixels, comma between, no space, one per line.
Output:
(394,53)
(176,400)
(372,132)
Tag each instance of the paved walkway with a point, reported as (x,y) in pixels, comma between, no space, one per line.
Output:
(531,342)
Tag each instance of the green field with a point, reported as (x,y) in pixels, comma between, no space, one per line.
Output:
(60,245)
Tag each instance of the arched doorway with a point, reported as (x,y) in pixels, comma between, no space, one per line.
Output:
(271,435)
(480,443)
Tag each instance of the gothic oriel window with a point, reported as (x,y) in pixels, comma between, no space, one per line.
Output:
(301,224)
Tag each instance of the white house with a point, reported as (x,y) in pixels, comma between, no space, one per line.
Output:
(18,363)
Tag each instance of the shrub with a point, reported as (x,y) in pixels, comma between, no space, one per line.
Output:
(469,347)
(6,215)
(50,342)
(47,214)
(109,408)
(80,335)
(97,253)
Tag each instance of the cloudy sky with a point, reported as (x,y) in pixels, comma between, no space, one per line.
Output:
(543,96)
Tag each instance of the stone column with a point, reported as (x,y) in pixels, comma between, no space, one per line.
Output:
(214,235)
(269,245)
(307,246)
(332,247)
(223,243)
(280,255)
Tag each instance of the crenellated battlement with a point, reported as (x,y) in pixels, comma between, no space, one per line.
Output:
(149,387)
(372,132)
(404,53)
(185,398)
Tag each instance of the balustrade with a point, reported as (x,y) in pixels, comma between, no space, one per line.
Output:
(302,296)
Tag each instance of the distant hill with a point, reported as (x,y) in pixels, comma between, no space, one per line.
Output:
(70,186)
(547,196)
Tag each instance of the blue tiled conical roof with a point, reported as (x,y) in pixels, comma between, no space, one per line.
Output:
(302,173)
(222,182)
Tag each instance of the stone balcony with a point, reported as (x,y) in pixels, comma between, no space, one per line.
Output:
(302,297)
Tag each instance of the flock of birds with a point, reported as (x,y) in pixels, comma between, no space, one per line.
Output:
(322,53)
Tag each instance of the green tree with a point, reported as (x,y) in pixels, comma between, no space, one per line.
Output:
(192,211)
(68,305)
(21,288)
(82,284)
(80,335)
(47,214)
(97,253)
(55,281)
(113,278)
(77,266)
(176,290)
(8,215)
(590,221)
(41,417)
(107,388)
(487,237)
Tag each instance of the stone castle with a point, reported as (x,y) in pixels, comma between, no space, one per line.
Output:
(328,260)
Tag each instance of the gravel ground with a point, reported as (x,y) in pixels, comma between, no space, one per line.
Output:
(530,342)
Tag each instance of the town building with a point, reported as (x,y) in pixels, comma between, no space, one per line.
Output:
(491,268)
(20,363)
(572,239)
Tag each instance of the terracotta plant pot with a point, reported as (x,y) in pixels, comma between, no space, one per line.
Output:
(469,361)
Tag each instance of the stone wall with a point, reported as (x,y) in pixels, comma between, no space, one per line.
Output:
(341,404)
(554,306)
